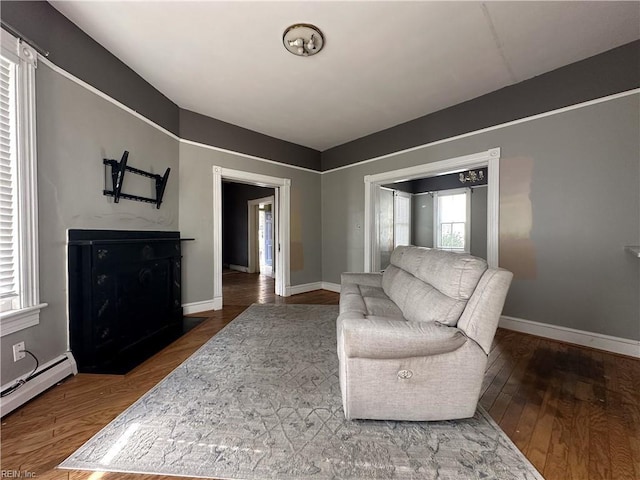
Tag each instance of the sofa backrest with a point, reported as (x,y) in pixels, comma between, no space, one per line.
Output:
(431,285)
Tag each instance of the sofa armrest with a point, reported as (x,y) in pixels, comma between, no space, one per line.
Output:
(391,338)
(369,279)
(480,318)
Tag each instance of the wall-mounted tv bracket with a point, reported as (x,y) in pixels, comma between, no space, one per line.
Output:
(118,168)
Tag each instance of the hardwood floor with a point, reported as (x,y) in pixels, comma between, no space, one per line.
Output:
(574,412)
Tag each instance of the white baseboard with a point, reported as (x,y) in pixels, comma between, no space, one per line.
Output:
(332,287)
(310,287)
(39,384)
(239,268)
(623,346)
(217,303)
(304,288)
(204,306)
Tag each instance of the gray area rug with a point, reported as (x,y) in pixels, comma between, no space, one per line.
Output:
(261,400)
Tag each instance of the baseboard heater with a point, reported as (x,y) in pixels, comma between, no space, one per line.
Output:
(44,378)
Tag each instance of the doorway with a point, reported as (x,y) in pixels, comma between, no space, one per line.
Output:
(445,211)
(374,200)
(261,236)
(281,227)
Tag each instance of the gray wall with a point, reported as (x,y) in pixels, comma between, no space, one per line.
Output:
(569,203)
(479,222)
(422,220)
(76,130)
(385,226)
(235,220)
(196,217)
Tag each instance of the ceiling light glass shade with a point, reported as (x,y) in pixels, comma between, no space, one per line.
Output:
(303,39)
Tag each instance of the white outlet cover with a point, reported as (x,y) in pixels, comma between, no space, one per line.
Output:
(18,353)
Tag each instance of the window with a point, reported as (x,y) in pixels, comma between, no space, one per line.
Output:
(401,218)
(19,299)
(452,223)
(9,298)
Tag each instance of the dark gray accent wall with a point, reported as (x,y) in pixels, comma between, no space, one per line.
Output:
(614,71)
(210,131)
(76,52)
(439,182)
(235,218)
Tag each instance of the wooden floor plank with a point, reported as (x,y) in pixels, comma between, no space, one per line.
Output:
(621,429)
(578,452)
(599,460)
(538,449)
(556,464)
(573,411)
(633,413)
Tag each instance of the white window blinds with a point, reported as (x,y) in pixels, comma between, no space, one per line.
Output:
(9,294)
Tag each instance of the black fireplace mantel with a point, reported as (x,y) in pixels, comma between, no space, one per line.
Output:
(124,296)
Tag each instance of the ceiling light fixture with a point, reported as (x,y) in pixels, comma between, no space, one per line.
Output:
(471,176)
(303,39)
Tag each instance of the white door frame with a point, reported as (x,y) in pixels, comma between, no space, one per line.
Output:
(489,158)
(282,188)
(251,230)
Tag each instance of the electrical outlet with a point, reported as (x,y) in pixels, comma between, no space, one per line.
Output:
(18,351)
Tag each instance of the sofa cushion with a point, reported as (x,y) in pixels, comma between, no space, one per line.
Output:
(425,303)
(352,302)
(396,284)
(374,292)
(382,307)
(419,301)
(454,275)
(431,285)
(367,300)
(382,338)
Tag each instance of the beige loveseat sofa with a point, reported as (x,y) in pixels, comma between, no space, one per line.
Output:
(413,341)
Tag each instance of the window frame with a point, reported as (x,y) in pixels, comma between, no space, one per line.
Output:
(407,196)
(437,225)
(28,313)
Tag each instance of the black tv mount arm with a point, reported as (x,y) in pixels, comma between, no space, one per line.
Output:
(118,169)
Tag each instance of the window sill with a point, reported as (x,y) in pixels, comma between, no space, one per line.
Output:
(14,321)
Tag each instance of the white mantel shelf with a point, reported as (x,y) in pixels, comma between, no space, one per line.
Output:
(633,250)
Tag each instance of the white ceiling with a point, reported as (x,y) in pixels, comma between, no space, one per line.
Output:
(384,63)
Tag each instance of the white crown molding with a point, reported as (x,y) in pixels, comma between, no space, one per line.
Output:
(245,155)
